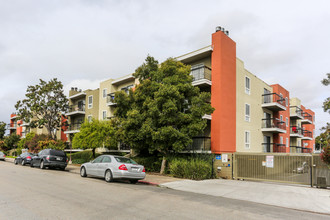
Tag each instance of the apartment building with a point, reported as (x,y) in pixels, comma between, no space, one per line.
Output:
(22,128)
(250,115)
(100,104)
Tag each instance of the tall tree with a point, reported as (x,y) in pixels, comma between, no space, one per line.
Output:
(10,142)
(326,103)
(2,129)
(165,110)
(95,134)
(44,105)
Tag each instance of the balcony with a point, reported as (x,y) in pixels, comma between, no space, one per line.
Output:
(296,132)
(308,119)
(273,125)
(123,80)
(307,150)
(73,128)
(12,126)
(76,110)
(78,95)
(296,112)
(201,75)
(110,99)
(273,148)
(273,102)
(200,145)
(307,135)
(295,149)
(207,117)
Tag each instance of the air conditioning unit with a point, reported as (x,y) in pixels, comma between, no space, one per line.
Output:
(321,182)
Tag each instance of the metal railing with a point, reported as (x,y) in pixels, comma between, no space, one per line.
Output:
(75,108)
(295,149)
(200,144)
(74,126)
(273,148)
(307,116)
(12,126)
(201,72)
(295,110)
(296,130)
(110,98)
(273,97)
(273,123)
(307,133)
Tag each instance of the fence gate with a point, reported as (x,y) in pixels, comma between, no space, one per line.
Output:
(290,168)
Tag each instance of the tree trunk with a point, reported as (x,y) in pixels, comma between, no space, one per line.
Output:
(162,169)
(93,150)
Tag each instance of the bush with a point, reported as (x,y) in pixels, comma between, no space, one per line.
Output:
(193,168)
(325,155)
(82,157)
(151,164)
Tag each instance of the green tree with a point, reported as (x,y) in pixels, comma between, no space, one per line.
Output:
(326,103)
(95,134)
(10,142)
(2,129)
(43,106)
(165,110)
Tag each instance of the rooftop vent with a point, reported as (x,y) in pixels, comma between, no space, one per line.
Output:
(218,28)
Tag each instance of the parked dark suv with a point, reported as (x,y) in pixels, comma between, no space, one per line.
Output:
(50,158)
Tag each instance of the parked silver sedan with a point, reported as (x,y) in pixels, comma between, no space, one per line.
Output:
(2,156)
(112,167)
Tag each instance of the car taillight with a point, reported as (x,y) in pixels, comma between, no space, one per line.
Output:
(4,155)
(144,170)
(28,157)
(122,167)
(67,160)
(47,157)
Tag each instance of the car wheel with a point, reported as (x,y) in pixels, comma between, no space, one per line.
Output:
(23,162)
(83,172)
(31,164)
(108,176)
(133,181)
(15,162)
(62,168)
(42,165)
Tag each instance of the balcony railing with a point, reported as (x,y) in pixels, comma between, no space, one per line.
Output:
(307,134)
(76,108)
(273,125)
(295,149)
(74,127)
(307,150)
(201,75)
(273,148)
(296,131)
(308,118)
(296,112)
(12,126)
(273,101)
(110,99)
(200,144)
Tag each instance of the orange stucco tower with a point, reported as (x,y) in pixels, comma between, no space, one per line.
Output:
(223,93)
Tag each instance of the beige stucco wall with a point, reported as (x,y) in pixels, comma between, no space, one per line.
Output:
(94,110)
(254,99)
(103,100)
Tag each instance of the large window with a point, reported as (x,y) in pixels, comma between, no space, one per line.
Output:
(247,139)
(247,112)
(247,85)
(90,101)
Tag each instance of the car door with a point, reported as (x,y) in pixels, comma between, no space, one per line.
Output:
(102,167)
(94,166)
(37,159)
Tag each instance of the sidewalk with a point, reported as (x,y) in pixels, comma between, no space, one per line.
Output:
(297,197)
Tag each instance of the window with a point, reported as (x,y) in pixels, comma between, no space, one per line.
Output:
(247,112)
(104,94)
(287,142)
(90,101)
(106,159)
(247,85)
(247,139)
(281,117)
(89,118)
(104,115)
(281,140)
(287,121)
(286,101)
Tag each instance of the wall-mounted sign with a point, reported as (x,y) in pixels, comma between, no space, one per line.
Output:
(270,161)
(224,158)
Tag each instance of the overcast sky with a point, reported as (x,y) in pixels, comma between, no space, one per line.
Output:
(84,42)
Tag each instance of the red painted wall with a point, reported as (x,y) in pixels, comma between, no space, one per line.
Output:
(285,114)
(223,94)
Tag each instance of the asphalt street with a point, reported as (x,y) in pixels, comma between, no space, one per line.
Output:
(31,193)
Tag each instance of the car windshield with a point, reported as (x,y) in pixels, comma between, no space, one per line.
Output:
(26,154)
(125,160)
(57,153)
(1,153)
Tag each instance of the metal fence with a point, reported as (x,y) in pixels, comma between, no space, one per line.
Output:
(291,168)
